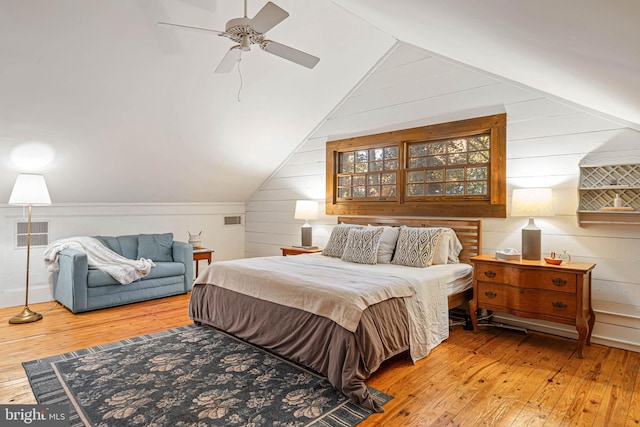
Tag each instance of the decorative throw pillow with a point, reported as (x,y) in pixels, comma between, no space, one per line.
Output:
(387,244)
(362,245)
(337,240)
(156,247)
(416,246)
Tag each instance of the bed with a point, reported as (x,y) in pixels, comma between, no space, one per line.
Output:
(303,308)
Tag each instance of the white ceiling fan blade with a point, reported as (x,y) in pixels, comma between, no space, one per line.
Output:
(187,27)
(289,53)
(229,60)
(269,16)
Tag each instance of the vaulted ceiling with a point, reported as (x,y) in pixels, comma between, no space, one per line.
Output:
(132,112)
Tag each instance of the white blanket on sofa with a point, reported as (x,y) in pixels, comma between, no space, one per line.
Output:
(124,270)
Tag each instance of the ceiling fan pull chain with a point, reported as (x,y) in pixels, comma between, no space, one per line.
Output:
(240,74)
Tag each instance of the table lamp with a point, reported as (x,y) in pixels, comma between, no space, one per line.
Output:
(28,190)
(531,202)
(306,209)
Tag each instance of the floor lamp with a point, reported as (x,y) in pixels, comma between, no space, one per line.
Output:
(531,202)
(28,190)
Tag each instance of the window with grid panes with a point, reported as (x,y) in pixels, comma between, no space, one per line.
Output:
(368,174)
(455,169)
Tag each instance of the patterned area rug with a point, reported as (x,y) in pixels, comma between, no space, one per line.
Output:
(189,376)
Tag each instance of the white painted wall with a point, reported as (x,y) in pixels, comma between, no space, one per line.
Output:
(67,220)
(546,138)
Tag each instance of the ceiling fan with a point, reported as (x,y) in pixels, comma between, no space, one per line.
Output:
(246,32)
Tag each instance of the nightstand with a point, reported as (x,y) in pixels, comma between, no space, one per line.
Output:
(292,250)
(202,254)
(536,290)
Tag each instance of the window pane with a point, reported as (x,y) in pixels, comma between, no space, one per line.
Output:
(344,181)
(390,165)
(388,191)
(417,150)
(479,157)
(477,187)
(418,162)
(455,188)
(437,161)
(479,142)
(457,158)
(373,191)
(359,180)
(373,179)
(361,167)
(346,168)
(434,189)
(436,148)
(376,154)
(389,178)
(457,145)
(375,166)
(359,191)
(344,192)
(415,190)
(415,176)
(346,157)
(456,174)
(435,175)
(362,156)
(477,173)
(391,153)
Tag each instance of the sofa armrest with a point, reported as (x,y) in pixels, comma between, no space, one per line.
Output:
(70,282)
(183,252)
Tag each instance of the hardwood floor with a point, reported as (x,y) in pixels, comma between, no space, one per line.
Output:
(494,378)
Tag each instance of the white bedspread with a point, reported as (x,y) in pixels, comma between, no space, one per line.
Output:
(124,270)
(341,290)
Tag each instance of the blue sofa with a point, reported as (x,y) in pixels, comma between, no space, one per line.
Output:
(80,288)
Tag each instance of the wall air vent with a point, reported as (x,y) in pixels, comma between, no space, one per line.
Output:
(233,220)
(39,233)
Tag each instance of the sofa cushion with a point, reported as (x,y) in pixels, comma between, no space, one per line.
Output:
(97,278)
(111,242)
(156,247)
(129,245)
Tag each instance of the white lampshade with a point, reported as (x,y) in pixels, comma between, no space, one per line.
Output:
(306,209)
(531,202)
(30,189)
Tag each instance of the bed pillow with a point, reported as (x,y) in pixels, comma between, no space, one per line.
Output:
(156,247)
(455,247)
(362,245)
(337,240)
(441,255)
(387,243)
(416,246)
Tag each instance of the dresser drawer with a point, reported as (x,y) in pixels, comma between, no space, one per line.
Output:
(528,278)
(519,300)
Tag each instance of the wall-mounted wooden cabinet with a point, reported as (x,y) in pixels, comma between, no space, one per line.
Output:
(598,188)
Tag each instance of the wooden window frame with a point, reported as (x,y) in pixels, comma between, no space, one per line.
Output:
(493,205)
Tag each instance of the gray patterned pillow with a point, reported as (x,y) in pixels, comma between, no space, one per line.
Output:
(337,240)
(362,245)
(416,246)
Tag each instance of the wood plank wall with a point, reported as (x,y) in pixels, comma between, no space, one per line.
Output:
(546,138)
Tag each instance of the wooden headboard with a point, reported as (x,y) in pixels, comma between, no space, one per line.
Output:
(469,231)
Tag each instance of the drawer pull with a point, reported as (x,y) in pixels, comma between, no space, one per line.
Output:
(558,282)
(491,294)
(559,305)
(490,274)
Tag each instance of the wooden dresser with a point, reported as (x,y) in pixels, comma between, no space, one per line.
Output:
(535,289)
